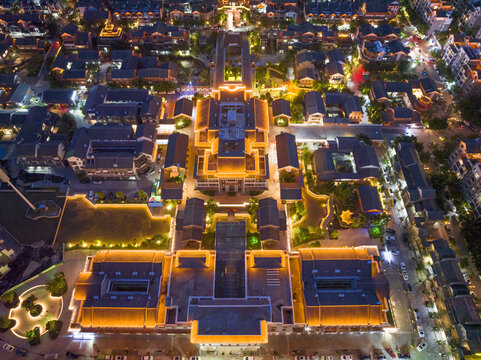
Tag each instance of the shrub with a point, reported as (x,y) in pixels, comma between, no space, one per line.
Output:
(29,303)
(36,310)
(33,336)
(10,299)
(334,234)
(58,285)
(6,323)
(53,328)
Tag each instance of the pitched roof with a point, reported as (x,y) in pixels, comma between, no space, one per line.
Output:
(184,107)
(176,154)
(369,198)
(286,149)
(314,103)
(281,107)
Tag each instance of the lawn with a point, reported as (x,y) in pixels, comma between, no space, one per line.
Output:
(26,231)
(116,224)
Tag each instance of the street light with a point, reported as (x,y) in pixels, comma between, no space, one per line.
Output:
(4,178)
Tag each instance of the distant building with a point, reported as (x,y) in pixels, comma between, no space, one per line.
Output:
(290,175)
(183,108)
(419,196)
(270,221)
(465,161)
(462,54)
(174,169)
(346,159)
(281,111)
(191,221)
(369,200)
(112,151)
(122,105)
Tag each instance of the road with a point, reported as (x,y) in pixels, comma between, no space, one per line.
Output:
(314,133)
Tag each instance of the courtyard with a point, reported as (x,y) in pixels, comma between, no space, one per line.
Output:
(115,224)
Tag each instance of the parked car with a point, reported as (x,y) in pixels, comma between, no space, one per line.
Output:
(8,347)
(21,352)
(120,357)
(402,265)
(421,346)
(390,231)
(195,358)
(421,331)
(72,355)
(395,252)
(248,358)
(147,357)
(300,358)
(346,357)
(179,358)
(91,195)
(418,317)
(405,276)
(408,285)
(389,238)
(97,182)
(391,353)
(466,278)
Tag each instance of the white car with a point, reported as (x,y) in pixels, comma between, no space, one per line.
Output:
(402,266)
(405,275)
(8,347)
(147,357)
(248,358)
(421,346)
(346,357)
(421,331)
(195,358)
(390,238)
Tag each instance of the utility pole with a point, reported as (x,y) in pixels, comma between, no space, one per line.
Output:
(4,178)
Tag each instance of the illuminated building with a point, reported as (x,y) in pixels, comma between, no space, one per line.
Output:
(343,289)
(108,34)
(231,126)
(122,289)
(465,161)
(232,297)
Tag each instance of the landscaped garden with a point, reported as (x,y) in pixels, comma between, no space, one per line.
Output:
(39,310)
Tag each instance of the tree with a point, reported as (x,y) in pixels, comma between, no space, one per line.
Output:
(5,323)
(300,209)
(53,328)
(58,285)
(33,336)
(66,123)
(142,195)
(211,208)
(29,302)
(374,112)
(365,139)
(100,195)
(10,299)
(438,123)
(119,195)
(344,192)
(252,209)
